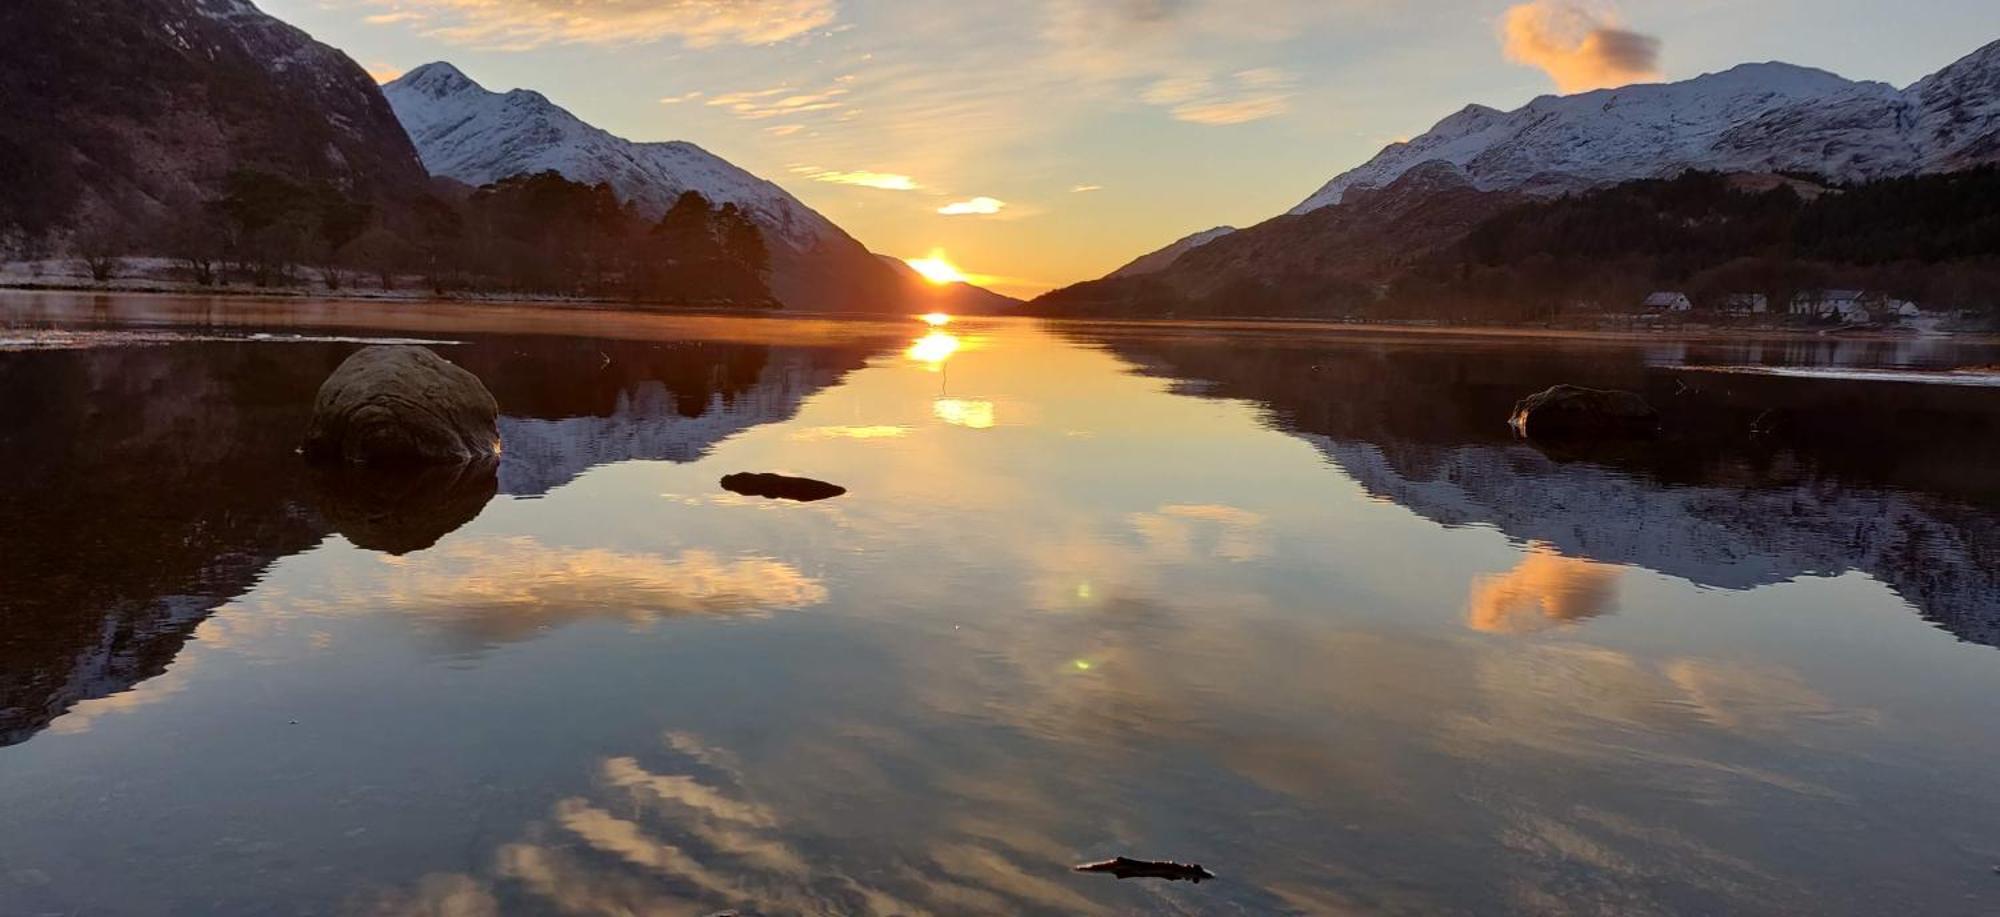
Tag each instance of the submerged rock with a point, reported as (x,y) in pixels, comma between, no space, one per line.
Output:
(402,405)
(1575,411)
(780,487)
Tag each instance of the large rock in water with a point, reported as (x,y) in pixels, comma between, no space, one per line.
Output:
(402,405)
(1573,411)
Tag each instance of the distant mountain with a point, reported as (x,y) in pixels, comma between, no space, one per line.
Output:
(1155,262)
(118,111)
(1754,118)
(1341,250)
(467,133)
(1299,264)
(956,298)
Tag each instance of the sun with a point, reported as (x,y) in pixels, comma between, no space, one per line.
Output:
(936,268)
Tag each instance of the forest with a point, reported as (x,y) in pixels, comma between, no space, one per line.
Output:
(1932,239)
(538,234)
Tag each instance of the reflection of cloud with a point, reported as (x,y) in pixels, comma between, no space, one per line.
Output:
(85,713)
(960,412)
(1545,590)
(523,24)
(508,588)
(1171,530)
(439,895)
(1579,48)
(879,431)
(1745,699)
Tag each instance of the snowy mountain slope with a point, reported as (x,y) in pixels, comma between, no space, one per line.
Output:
(1751,118)
(1154,262)
(464,131)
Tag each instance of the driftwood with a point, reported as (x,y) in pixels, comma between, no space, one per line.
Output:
(780,487)
(1128,868)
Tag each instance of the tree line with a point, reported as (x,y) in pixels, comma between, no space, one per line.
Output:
(1932,239)
(536,234)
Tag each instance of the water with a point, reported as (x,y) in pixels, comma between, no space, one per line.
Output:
(1286,602)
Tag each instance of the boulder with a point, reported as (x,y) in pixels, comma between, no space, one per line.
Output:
(402,405)
(1573,411)
(780,487)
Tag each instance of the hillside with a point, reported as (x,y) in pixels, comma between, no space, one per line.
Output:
(119,112)
(467,133)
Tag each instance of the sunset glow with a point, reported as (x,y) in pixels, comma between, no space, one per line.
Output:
(936,268)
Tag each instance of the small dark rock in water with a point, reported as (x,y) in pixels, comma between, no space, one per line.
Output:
(1128,868)
(402,405)
(780,487)
(1574,411)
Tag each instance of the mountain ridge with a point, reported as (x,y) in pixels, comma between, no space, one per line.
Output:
(466,132)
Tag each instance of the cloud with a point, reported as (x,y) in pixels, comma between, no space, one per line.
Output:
(780,102)
(1084,189)
(885,181)
(978,206)
(1245,96)
(384,72)
(524,24)
(1578,47)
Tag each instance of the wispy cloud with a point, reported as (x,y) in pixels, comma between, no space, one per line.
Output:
(1245,96)
(1580,48)
(522,24)
(978,206)
(886,181)
(1085,189)
(783,101)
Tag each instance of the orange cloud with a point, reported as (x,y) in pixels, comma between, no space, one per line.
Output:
(1545,590)
(1579,48)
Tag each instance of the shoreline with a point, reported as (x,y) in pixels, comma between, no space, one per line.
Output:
(427,311)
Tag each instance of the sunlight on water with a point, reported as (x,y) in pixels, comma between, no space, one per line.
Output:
(1301,611)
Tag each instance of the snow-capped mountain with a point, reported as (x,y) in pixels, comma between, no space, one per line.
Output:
(1157,261)
(469,133)
(1752,118)
(120,113)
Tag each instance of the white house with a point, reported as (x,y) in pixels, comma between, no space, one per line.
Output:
(1668,302)
(1847,305)
(1745,304)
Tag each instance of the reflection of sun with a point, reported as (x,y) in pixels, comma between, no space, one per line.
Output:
(936,319)
(934,348)
(936,268)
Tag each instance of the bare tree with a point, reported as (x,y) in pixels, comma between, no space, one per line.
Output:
(102,251)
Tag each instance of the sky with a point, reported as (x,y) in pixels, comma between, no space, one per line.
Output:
(1036,143)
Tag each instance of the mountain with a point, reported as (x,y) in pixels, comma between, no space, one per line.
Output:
(1158,261)
(1328,260)
(958,298)
(1769,117)
(467,133)
(119,111)
(1343,249)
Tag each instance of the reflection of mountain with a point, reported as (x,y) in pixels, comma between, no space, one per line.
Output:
(1889,479)
(655,409)
(147,486)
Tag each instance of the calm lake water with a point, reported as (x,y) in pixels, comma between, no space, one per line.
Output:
(1287,602)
